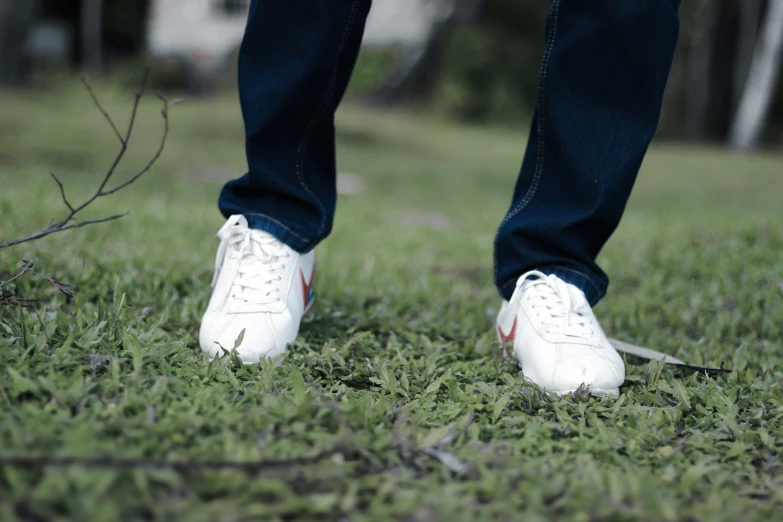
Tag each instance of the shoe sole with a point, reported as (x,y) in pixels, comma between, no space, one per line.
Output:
(599,393)
(613,393)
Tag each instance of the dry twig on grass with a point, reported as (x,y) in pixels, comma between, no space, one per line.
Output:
(28,267)
(9,299)
(70,221)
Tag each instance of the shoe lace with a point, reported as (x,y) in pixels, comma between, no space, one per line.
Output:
(555,307)
(258,260)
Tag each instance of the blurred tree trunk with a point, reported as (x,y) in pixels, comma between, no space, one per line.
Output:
(417,63)
(414,64)
(698,86)
(712,71)
(724,65)
(16,21)
(750,12)
(92,35)
(762,78)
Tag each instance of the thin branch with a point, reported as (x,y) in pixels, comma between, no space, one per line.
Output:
(62,193)
(124,147)
(29,266)
(65,288)
(100,108)
(68,222)
(165,112)
(57,228)
(10,299)
(86,222)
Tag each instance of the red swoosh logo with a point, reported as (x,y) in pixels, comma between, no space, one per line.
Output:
(306,287)
(510,337)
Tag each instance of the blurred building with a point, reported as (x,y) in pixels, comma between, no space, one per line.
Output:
(78,33)
(201,35)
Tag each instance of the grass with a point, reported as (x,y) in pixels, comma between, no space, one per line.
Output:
(395,403)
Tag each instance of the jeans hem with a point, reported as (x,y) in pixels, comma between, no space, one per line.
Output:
(281,232)
(594,291)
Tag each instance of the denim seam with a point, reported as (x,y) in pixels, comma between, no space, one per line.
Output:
(278,223)
(541,120)
(541,114)
(305,141)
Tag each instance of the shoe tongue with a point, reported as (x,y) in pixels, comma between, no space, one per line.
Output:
(265,238)
(578,299)
(576,296)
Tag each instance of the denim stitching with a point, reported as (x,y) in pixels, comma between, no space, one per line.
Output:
(278,223)
(531,191)
(541,119)
(304,143)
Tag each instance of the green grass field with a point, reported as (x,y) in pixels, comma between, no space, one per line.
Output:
(395,403)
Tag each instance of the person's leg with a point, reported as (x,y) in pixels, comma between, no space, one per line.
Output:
(294,66)
(600,92)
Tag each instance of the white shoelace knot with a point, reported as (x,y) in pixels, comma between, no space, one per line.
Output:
(554,305)
(257,260)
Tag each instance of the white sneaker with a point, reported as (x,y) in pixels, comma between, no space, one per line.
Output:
(261,287)
(556,338)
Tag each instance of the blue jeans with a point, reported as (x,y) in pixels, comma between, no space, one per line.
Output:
(601,85)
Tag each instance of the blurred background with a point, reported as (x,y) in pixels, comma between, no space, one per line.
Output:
(435,121)
(468,60)
(430,140)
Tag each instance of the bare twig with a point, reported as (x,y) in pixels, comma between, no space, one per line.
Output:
(11,299)
(30,263)
(100,108)
(64,288)
(69,221)
(62,192)
(51,229)
(165,113)
(125,141)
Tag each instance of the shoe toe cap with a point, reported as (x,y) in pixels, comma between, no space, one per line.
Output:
(600,372)
(261,339)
